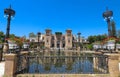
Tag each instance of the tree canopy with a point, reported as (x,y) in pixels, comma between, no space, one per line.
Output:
(96,38)
(32,34)
(2,36)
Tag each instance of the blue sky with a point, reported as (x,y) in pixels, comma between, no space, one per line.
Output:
(83,16)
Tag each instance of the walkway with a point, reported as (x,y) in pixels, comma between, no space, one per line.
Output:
(2,65)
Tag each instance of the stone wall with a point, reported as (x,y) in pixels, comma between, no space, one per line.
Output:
(113,65)
(63,75)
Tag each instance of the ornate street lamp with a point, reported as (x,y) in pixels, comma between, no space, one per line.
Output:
(9,13)
(107,15)
(39,34)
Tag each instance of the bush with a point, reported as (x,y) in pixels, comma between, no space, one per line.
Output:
(90,46)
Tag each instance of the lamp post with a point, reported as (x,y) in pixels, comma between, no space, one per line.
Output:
(79,38)
(9,13)
(107,15)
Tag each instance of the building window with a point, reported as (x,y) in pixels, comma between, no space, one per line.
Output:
(69,33)
(68,40)
(43,38)
(52,45)
(63,38)
(47,42)
(52,37)
(63,45)
(32,40)
(47,33)
(58,44)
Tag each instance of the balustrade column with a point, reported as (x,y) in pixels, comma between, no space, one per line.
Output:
(10,65)
(96,59)
(113,65)
(95,62)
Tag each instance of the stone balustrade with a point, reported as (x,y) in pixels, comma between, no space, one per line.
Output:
(113,67)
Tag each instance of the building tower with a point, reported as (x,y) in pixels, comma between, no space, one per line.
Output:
(68,39)
(48,38)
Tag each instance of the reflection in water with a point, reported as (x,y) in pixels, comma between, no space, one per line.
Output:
(61,65)
(66,62)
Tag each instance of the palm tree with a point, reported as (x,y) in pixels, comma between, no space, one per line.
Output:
(113,31)
(113,28)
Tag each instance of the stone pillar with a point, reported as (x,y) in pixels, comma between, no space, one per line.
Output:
(113,64)
(10,65)
(60,44)
(96,59)
(95,62)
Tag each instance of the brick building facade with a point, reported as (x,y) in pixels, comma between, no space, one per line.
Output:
(57,40)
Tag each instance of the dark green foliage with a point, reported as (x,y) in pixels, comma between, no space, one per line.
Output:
(2,36)
(118,42)
(12,36)
(96,38)
(92,39)
(90,46)
(58,33)
(32,34)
